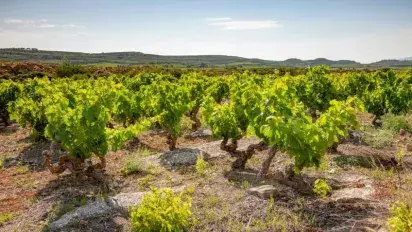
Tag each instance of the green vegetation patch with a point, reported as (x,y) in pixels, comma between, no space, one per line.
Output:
(395,123)
(162,210)
(5,217)
(401,219)
(378,138)
(321,188)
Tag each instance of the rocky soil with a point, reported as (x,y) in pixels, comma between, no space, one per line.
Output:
(364,181)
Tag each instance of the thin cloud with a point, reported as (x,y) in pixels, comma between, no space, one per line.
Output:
(47,26)
(219,19)
(42,23)
(246,24)
(13,21)
(78,34)
(21,21)
(72,26)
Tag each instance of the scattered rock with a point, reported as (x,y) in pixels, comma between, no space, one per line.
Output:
(182,157)
(91,210)
(347,180)
(409,147)
(353,195)
(31,155)
(122,201)
(123,222)
(239,176)
(204,133)
(273,191)
(101,208)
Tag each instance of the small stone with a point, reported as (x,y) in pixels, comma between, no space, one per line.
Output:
(125,200)
(182,157)
(83,222)
(237,175)
(353,195)
(272,191)
(264,191)
(120,220)
(332,171)
(201,134)
(409,147)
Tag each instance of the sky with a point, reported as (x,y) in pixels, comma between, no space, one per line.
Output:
(360,30)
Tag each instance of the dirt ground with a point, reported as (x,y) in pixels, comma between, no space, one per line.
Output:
(31,197)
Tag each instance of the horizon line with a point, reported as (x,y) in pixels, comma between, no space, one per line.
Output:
(131,51)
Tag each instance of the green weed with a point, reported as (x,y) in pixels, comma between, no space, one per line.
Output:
(201,166)
(321,188)
(401,219)
(5,217)
(162,210)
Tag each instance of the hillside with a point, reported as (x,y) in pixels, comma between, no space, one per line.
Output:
(138,58)
(391,63)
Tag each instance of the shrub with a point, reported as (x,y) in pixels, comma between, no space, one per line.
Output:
(321,188)
(402,217)
(201,166)
(162,210)
(397,122)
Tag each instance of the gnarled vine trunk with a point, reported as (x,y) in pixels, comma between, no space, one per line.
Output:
(5,117)
(77,165)
(193,116)
(313,114)
(110,125)
(241,156)
(266,164)
(232,147)
(171,141)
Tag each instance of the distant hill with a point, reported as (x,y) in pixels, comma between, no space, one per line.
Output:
(304,63)
(392,63)
(138,58)
(407,58)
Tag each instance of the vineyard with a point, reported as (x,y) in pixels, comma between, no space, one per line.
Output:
(280,150)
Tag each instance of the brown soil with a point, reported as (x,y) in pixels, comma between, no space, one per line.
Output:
(32,193)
